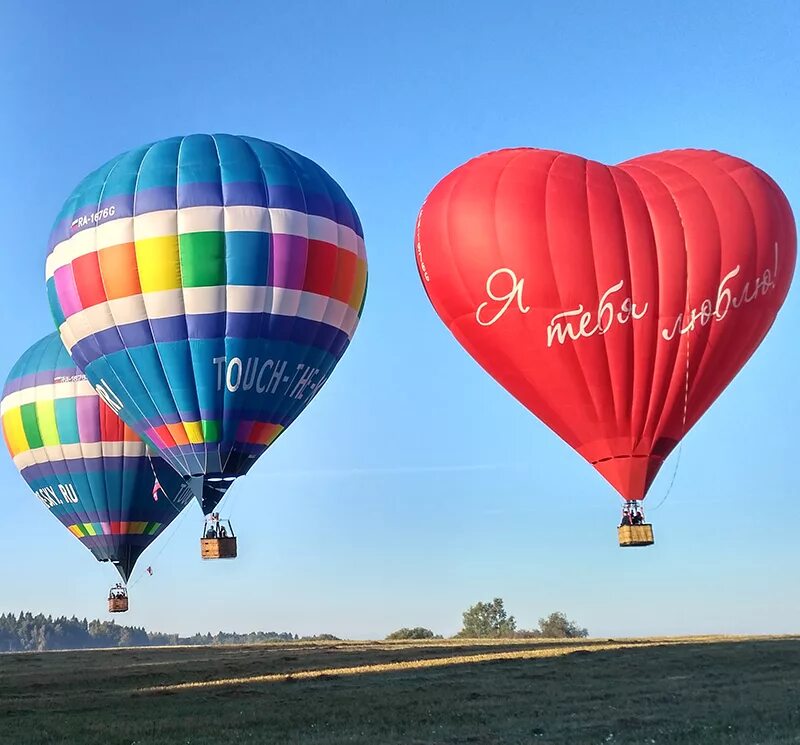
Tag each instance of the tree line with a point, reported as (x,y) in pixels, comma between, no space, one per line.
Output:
(35,633)
(26,632)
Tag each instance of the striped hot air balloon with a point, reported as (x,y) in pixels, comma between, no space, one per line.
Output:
(208,286)
(85,466)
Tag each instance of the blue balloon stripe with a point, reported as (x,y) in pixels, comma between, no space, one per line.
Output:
(273,328)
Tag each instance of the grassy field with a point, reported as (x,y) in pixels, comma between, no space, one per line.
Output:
(731,690)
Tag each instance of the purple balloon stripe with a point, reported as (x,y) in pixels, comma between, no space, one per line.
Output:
(289,258)
(81,466)
(250,194)
(88,414)
(43,377)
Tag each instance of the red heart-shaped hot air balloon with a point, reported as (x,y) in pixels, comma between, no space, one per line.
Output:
(614,302)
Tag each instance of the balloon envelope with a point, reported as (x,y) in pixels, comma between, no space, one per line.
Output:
(614,302)
(90,470)
(208,285)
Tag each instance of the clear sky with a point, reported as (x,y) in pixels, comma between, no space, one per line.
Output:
(414,485)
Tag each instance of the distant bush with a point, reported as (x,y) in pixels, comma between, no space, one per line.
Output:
(418,632)
(527,634)
(320,638)
(557,626)
(487,620)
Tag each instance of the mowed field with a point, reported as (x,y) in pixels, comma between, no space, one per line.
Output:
(707,690)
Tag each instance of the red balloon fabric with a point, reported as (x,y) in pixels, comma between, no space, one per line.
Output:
(615,302)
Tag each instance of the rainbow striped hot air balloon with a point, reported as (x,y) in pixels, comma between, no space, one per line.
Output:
(208,286)
(90,470)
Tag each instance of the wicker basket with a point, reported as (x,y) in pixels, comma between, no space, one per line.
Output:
(117,605)
(635,535)
(218,548)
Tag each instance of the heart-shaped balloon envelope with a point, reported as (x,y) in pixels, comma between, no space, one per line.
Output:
(615,302)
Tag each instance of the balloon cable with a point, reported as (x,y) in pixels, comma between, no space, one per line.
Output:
(674,474)
(163,546)
(683,428)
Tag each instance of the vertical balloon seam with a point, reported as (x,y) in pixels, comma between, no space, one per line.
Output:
(123,461)
(654,357)
(587,394)
(225,289)
(705,341)
(648,424)
(188,457)
(267,305)
(176,455)
(195,393)
(591,243)
(228,440)
(629,330)
(266,314)
(660,424)
(660,360)
(587,389)
(636,433)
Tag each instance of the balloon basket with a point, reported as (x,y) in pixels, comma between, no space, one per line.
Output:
(218,548)
(118,599)
(635,535)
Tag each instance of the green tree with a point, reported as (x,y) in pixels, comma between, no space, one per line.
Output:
(558,626)
(487,620)
(418,632)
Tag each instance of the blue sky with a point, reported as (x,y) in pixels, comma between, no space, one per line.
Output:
(414,486)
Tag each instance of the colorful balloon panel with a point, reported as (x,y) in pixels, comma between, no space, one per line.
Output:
(208,285)
(614,302)
(81,461)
